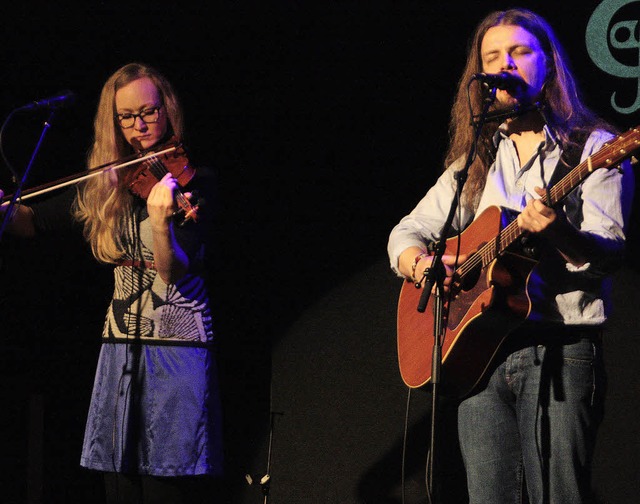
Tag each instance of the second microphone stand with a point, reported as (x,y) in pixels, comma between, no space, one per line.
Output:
(16,195)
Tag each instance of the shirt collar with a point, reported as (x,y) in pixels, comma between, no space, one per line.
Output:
(550,141)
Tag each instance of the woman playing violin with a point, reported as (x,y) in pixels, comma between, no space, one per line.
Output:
(153,426)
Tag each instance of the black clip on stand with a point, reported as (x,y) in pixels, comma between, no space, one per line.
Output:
(23,180)
(435,274)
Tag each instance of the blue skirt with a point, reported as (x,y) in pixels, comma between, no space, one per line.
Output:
(154,410)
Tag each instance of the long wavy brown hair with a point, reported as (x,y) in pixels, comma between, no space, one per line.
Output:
(563,108)
(104,202)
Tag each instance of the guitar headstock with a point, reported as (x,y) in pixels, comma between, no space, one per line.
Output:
(611,155)
(614,152)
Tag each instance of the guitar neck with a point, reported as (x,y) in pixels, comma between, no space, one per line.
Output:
(610,155)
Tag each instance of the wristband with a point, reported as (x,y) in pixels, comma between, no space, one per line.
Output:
(415,262)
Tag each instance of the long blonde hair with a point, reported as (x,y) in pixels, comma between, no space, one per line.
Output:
(103,202)
(563,110)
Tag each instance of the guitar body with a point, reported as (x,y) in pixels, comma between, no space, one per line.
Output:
(491,298)
(489,305)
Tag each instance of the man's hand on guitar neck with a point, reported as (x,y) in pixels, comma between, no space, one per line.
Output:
(538,217)
(569,241)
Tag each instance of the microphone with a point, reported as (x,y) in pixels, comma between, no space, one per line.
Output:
(60,100)
(502,80)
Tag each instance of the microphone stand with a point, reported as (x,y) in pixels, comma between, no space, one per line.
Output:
(434,277)
(16,195)
(265,481)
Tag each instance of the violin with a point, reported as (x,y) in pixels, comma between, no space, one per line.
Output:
(153,168)
(154,164)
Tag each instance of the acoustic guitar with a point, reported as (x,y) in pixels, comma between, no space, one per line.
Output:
(489,290)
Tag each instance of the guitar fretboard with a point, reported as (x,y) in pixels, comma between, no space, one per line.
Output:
(609,156)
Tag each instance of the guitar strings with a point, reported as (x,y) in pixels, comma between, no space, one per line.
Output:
(489,251)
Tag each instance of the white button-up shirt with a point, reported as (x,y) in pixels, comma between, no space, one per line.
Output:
(599,206)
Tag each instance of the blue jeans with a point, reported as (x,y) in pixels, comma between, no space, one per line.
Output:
(533,427)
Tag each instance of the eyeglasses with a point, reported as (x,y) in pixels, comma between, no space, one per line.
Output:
(148,116)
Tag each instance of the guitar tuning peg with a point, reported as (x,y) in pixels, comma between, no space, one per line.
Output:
(633,160)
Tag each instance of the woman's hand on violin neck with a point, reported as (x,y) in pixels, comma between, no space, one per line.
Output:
(161,202)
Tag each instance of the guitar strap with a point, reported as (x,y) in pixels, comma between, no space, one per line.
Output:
(570,157)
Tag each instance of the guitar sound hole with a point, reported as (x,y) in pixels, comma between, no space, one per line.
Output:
(469,280)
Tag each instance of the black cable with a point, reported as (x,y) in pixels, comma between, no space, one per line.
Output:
(404,446)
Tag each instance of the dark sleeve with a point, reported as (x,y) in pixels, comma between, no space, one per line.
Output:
(54,213)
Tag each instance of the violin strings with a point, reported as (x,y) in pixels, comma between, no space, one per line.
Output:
(159,170)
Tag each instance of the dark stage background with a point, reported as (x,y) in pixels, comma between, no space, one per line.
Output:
(326,122)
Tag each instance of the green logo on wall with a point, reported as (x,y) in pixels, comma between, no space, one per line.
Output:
(621,36)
